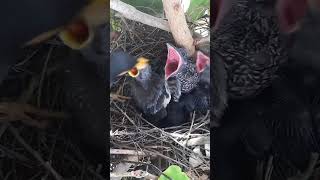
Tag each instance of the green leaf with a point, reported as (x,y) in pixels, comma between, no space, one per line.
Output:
(152,7)
(175,173)
(197,9)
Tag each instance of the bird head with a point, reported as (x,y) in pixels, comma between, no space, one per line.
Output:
(291,14)
(220,9)
(202,62)
(175,60)
(142,63)
(79,33)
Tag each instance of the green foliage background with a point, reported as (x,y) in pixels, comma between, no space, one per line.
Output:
(196,9)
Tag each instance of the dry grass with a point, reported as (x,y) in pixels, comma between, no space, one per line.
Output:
(31,153)
(133,139)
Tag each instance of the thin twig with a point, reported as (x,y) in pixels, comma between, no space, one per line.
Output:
(43,74)
(132,13)
(34,153)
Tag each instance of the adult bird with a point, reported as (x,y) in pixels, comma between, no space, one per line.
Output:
(149,90)
(180,72)
(246,37)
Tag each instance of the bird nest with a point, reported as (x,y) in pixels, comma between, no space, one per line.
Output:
(32,88)
(137,145)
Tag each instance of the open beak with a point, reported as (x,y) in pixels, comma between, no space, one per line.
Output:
(134,72)
(141,64)
(173,63)
(202,62)
(80,32)
(77,34)
(290,14)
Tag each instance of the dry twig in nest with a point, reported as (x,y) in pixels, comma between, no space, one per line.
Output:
(11,111)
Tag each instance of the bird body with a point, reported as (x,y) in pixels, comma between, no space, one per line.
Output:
(85,100)
(251,46)
(281,123)
(198,99)
(149,91)
(180,72)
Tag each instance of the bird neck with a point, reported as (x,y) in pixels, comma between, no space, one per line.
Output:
(145,76)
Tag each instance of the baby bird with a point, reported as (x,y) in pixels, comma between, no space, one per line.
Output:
(120,63)
(86,100)
(290,14)
(180,72)
(218,86)
(18,25)
(197,99)
(150,92)
(97,52)
(248,41)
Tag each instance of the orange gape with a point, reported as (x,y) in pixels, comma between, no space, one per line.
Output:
(78,33)
(79,30)
(134,71)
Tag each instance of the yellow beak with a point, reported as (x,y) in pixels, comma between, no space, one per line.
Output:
(92,15)
(141,64)
(81,31)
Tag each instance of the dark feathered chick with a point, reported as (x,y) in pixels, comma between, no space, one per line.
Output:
(250,45)
(197,99)
(86,100)
(97,52)
(218,77)
(240,140)
(305,47)
(51,16)
(180,72)
(289,120)
(80,31)
(175,114)
(279,123)
(120,62)
(150,91)
(290,14)
(24,20)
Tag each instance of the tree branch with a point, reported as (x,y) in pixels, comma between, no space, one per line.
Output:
(132,13)
(178,25)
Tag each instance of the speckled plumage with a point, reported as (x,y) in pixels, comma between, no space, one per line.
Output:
(150,92)
(186,78)
(252,48)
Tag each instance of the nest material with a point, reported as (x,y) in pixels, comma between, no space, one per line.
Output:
(131,135)
(27,152)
